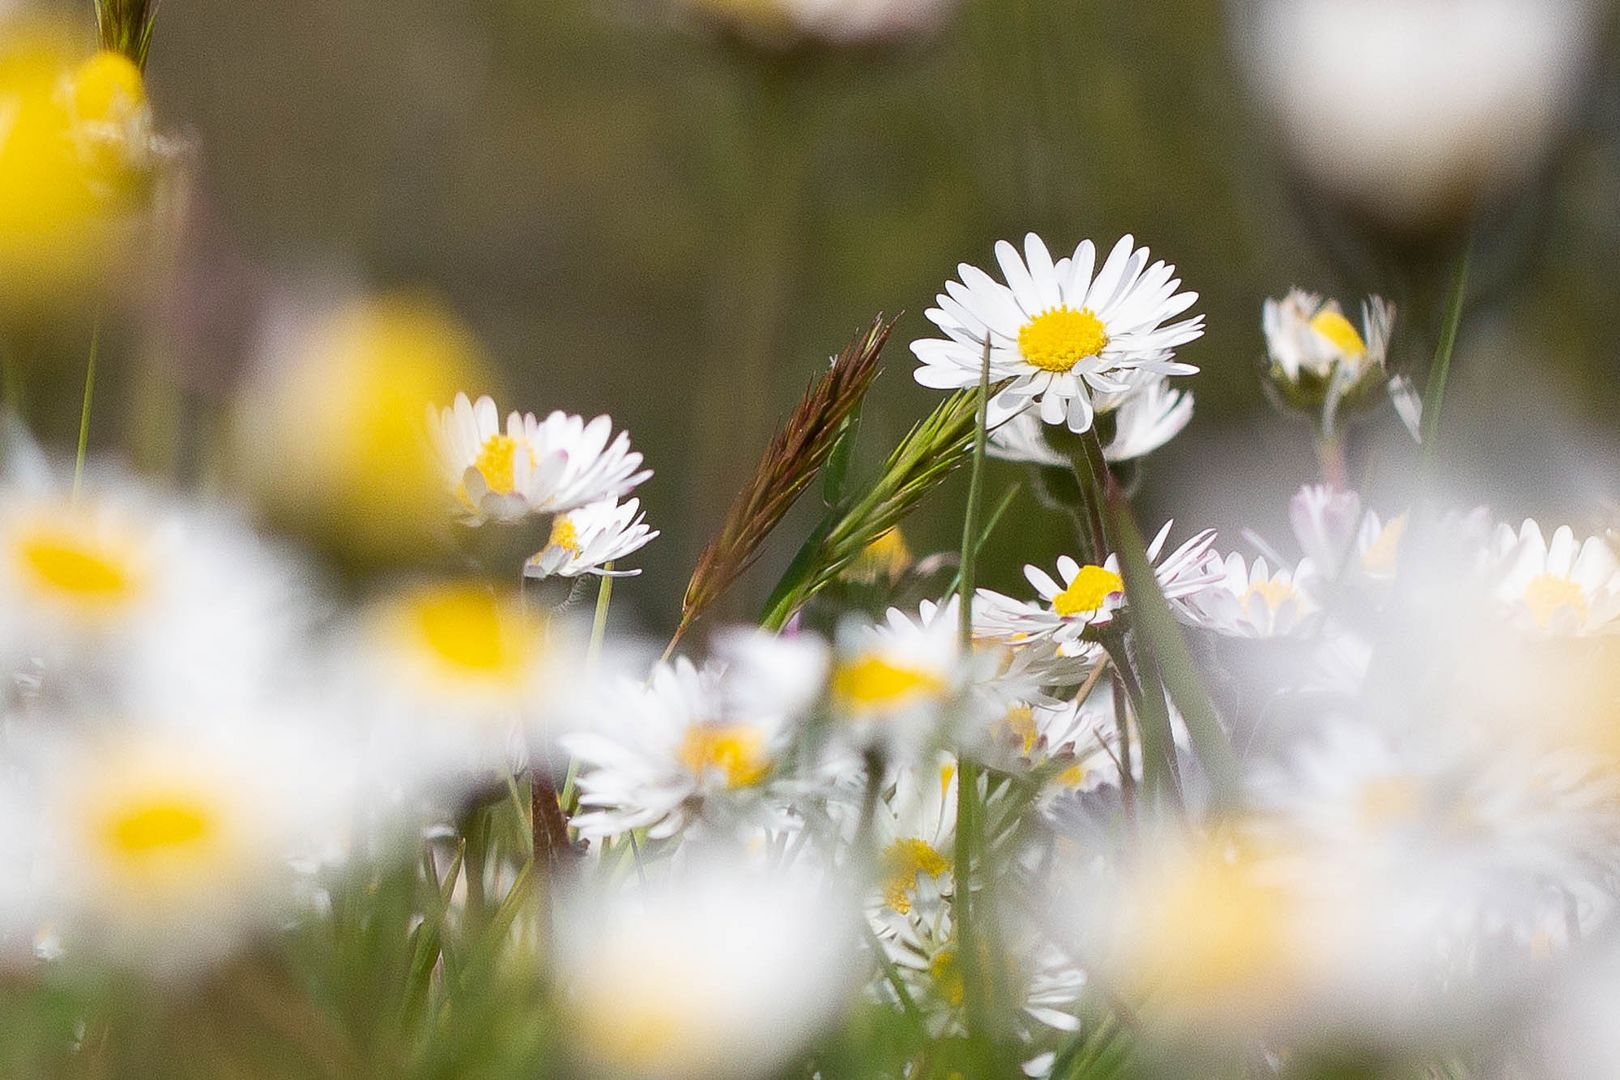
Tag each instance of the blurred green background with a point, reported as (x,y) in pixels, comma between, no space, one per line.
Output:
(677,229)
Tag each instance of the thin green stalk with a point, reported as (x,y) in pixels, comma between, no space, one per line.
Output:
(84,409)
(1434,394)
(970,521)
(604,597)
(984,534)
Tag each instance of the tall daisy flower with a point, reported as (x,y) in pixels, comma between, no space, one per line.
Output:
(1321,362)
(530,466)
(583,541)
(1060,332)
(1089,595)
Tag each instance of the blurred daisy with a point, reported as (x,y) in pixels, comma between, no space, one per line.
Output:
(1252,601)
(1562,586)
(1072,741)
(914,831)
(892,681)
(583,541)
(1089,595)
(677,979)
(168,844)
(459,677)
(1056,330)
(882,561)
(693,743)
(783,23)
(133,595)
(531,466)
(1320,361)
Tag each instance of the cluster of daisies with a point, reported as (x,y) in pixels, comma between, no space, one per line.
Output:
(1391,824)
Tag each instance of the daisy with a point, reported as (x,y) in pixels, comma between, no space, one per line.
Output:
(531,466)
(678,977)
(132,594)
(583,541)
(168,844)
(1072,740)
(1252,601)
(892,682)
(1089,595)
(1562,587)
(1319,359)
(458,678)
(1058,332)
(1145,418)
(694,743)
(914,831)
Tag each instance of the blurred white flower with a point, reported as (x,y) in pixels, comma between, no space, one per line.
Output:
(716,971)
(694,744)
(1252,601)
(165,845)
(1059,332)
(1320,363)
(839,22)
(532,466)
(1089,595)
(583,541)
(1412,108)
(1560,587)
(457,678)
(132,595)
(892,682)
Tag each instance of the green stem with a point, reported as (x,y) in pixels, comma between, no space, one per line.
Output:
(604,597)
(1434,394)
(84,408)
(970,521)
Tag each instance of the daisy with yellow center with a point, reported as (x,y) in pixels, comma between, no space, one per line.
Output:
(1086,596)
(80,564)
(588,540)
(1320,360)
(692,746)
(1253,601)
(1559,586)
(1059,331)
(530,466)
(883,561)
(892,682)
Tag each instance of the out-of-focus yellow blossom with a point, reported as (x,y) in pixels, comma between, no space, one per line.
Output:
(335,438)
(883,560)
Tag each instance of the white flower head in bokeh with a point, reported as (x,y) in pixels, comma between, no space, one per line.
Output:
(1559,586)
(1252,601)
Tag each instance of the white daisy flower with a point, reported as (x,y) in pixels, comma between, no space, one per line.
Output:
(531,466)
(691,743)
(914,833)
(892,682)
(583,541)
(1058,332)
(132,595)
(1073,739)
(1089,595)
(458,677)
(1319,360)
(678,978)
(167,844)
(1562,587)
(1252,601)
(1145,418)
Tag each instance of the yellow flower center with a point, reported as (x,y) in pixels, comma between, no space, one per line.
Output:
(1018,724)
(1381,554)
(497,463)
(1212,928)
(1274,591)
(82,572)
(884,559)
(736,753)
(1547,594)
(947,976)
(873,682)
(164,823)
(903,860)
(564,535)
(467,630)
(107,89)
(1339,332)
(1059,338)
(1072,777)
(1090,587)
